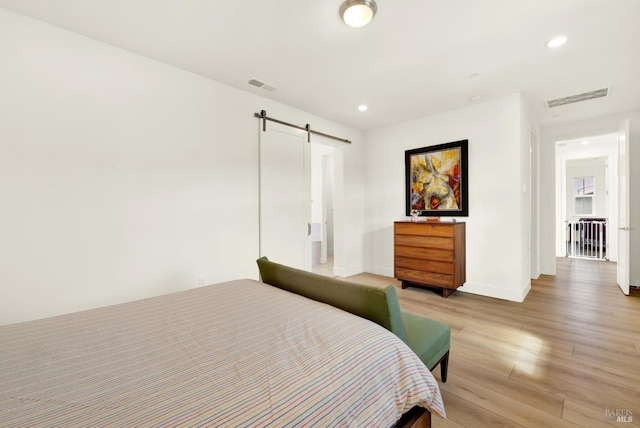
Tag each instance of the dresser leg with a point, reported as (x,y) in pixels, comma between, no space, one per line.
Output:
(446,292)
(404,284)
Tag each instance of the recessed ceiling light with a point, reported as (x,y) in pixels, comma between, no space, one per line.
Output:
(363,107)
(585,142)
(475,98)
(474,76)
(557,41)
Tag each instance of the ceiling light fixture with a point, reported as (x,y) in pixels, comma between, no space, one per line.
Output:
(556,42)
(358,13)
(363,107)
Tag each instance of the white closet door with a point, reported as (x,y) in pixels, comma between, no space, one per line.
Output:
(285,196)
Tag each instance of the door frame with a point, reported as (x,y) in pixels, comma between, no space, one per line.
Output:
(340,259)
(608,152)
(624,220)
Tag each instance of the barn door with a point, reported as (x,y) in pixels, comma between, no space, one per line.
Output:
(285,196)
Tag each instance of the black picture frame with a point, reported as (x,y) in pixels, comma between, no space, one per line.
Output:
(436,180)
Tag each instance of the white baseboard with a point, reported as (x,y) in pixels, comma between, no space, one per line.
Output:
(471,287)
(345,272)
(381,270)
(497,292)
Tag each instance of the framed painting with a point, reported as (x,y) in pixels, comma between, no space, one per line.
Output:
(437,180)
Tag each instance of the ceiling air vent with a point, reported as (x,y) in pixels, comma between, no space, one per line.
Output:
(578,98)
(262,85)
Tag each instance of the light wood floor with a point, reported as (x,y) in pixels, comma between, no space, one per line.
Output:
(568,356)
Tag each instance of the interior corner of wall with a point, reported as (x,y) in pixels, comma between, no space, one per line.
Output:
(345,272)
(525,290)
(381,270)
(339,271)
(353,270)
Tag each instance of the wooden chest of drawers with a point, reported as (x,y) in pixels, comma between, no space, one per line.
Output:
(430,254)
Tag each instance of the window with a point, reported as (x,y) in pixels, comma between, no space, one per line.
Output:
(584,188)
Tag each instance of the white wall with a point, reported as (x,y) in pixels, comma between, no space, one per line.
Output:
(524,215)
(497,233)
(122,178)
(576,130)
(534,193)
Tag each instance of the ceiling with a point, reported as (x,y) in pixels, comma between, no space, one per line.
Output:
(415,58)
(594,150)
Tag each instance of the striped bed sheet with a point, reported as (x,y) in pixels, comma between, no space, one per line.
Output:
(234,354)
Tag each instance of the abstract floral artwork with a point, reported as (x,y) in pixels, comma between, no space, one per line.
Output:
(436,180)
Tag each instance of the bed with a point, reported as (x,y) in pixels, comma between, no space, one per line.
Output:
(237,354)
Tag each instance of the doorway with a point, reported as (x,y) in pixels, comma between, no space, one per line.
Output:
(300,186)
(322,208)
(587,197)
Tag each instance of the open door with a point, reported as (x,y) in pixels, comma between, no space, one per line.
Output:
(285,196)
(327,207)
(322,197)
(623,208)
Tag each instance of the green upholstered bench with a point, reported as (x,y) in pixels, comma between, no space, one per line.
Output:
(429,339)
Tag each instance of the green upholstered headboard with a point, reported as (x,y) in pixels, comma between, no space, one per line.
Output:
(379,305)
